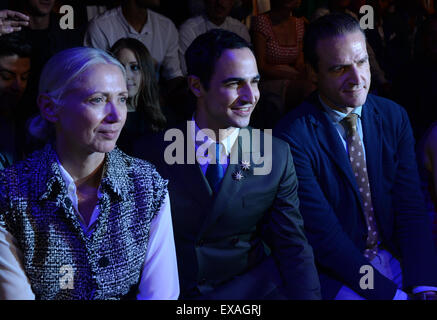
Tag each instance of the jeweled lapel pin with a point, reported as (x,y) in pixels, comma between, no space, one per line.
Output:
(245,165)
(238,175)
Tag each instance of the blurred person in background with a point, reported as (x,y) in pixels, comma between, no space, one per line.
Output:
(144,112)
(15,69)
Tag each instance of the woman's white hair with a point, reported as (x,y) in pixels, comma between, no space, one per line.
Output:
(60,72)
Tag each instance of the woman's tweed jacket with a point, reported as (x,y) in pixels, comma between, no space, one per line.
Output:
(35,209)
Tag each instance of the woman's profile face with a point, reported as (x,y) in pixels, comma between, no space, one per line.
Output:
(93,110)
(133,71)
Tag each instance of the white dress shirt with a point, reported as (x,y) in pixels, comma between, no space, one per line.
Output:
(159,35)
(203,143)
(159,278)
(194,27)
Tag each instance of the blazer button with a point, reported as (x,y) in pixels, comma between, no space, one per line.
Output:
(103,262)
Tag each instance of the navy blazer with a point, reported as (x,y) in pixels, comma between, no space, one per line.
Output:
(330,200)
(221,238)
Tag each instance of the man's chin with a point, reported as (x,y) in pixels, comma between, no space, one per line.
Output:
(355,102)
(359,103)
(359,99)
(241,123)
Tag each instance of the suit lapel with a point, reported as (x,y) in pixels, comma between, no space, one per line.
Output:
(372,128)
(230,187)
(330,141)
(189,176)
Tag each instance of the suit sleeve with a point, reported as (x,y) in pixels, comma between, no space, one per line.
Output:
(334,251)
(283,231)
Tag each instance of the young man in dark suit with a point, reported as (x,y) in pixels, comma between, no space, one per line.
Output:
(359,188)
(238,230)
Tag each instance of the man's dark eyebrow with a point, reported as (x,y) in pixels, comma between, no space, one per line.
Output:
(237,79)
(6,70)
(346,65)
(338,66)
(12,72)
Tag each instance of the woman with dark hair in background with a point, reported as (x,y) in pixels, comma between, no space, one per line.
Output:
(144,112)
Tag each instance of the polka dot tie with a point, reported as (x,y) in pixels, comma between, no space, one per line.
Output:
(359,167)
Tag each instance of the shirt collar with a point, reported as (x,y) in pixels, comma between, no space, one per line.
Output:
(56,177)
(147,28)
(68,180)
(335,115)
(227,143)
(115,173)
(213,25)
(50,184)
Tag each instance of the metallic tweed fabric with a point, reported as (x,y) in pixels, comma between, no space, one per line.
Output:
(35,209)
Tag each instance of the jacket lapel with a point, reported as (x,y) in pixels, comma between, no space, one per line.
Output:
(330,141)
(189,176)
(230,186)
(372,128)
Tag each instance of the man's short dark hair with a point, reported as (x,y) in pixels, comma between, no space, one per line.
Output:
(203,53)
(328,26)
(15,44)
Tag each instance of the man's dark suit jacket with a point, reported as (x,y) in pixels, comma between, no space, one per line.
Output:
(221,239)
(330,200)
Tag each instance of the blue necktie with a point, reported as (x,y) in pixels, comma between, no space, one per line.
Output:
(214,172)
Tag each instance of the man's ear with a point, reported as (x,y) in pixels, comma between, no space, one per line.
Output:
(195,86)
(48,107)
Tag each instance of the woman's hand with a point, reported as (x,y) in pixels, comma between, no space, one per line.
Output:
(11,21)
